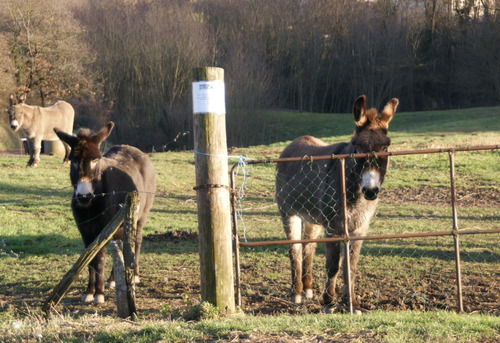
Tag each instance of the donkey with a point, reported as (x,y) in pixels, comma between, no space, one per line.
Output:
(101,184)
(310,193)
(37,123)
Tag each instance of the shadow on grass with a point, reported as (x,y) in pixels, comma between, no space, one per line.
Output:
(27,192)
(33,245)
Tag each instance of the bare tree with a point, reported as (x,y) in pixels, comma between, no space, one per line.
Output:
(44,46)
(145,52)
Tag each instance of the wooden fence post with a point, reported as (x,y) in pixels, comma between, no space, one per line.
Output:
(212,186)
(122,308)
(129,243)
(123,261)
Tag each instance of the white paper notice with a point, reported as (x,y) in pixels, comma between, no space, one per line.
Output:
(209,97)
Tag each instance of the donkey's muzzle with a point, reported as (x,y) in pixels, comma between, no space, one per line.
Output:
(14,125)
(370,193)
(84,192)
(83,199)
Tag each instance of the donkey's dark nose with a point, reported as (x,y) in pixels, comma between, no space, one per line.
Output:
(370,193)
(13,127)
(83,199)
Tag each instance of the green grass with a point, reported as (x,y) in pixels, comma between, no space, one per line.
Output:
(374,327)
(39,243)
(474,125)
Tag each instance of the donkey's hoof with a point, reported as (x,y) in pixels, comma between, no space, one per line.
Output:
(112,284)
(88,298)
(137,279)
(297,299)
(309,294)
(99,299)
(330,308)
(359,310)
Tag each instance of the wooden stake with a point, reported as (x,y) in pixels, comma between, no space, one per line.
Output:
(129,237)
(121,300)
(212,185)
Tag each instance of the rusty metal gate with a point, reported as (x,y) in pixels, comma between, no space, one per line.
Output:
(454,230)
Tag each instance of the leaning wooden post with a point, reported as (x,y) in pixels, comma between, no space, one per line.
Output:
(85,258)
(214,214)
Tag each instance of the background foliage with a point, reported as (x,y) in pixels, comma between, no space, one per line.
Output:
(131,60)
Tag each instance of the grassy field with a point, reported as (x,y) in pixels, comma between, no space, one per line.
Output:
(408,285)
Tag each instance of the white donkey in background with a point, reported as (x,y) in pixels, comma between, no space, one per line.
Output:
(37,123)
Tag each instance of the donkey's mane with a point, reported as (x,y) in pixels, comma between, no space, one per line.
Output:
(83,133)
(86,147)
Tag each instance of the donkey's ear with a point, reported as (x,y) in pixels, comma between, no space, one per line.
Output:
(359,110)
(389,111)
(12,100)
(100,136)
(66,138)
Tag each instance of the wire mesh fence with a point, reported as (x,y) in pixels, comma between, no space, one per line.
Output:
(426,213)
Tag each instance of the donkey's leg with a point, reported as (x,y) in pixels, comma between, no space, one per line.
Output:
(99,283)
(138,246)
(333,261)
(293,229)
(31,149)
(111,279)
(37,147)
(354,259)
(88,296)
(312,231)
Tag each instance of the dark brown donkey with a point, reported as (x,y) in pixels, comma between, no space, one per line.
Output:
(101,184)
(309,192)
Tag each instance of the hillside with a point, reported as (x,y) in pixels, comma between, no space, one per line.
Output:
(273,127)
